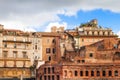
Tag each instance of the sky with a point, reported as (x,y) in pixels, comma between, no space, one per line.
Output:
(41,15)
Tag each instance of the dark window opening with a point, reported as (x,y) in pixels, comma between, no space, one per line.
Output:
(91,55)
(5,45)
(86,73)
(110,73)
(49,78)
(76,73)
(58,77)
(49,58)
(45,78)
(44,70)
(48,70)
(53,41)
(92,33)
(35,46)
(83,61)
(81,73)
(53,69)
(98,73)
(54,50)
(92,73)
(103,73)
(53,78)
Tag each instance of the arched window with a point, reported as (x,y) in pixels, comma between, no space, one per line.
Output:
(92,73)
(98,73)
(49,58)
(53,78)
(116,73)
(48,70)
(76,73)
(45,78)
(53,69)
(109,73)
(44,70)
(86,73)
(91,54)
(103,73)
(81,73)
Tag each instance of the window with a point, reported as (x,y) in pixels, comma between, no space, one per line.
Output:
(14,54)
(110,73)
(45,78)
(53,69)
(49,77)
(35,46)
(76,73)
(53,41)
(15,45)
(83,61)
(91,55)
(47,50)
(5,53)
(98,73)
(48,70)
(82,40)
(116,73)
(81,73)
(92,73)
(25,55)
(53,77)
(54,50)
(103,73)
(58,77)
(44,70)
(92,33)
(49,58)
(5,45)
(78,61)
(86,73)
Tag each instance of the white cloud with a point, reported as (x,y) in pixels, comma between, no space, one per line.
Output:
(57,24)
(118,34)
(23,13)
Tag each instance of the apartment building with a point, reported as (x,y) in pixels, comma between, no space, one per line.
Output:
(15,54)
(90,32)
